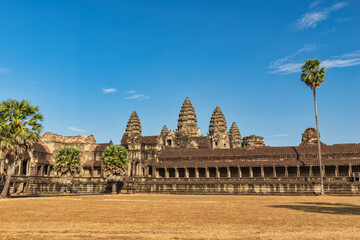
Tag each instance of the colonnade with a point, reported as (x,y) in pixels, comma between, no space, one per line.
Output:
(251,172)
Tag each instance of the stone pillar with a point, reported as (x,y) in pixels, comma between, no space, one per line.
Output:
(196,172)
(274,171)
(42,170)
(298,171)
(251,172)
(156,172)
(207,174)
(186,172)
(48,170)
(310,171)
(217,172)
(324,173)
(129,169)
(228,172)
(350,170)
(286,172)
(20,167)
(176,172)
(166,172)
(337,171)
(262,172)
(239,172)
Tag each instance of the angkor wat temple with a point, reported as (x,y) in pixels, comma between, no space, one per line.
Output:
(184,161)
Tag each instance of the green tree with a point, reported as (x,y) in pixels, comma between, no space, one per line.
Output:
(114,160)
(67,162)
(313,75)
(19,130)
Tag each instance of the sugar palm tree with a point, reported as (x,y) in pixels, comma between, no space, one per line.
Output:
(114,160)
(67,162)
(19,130)
(313,75)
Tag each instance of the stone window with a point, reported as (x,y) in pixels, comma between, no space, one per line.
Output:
(280,171)
(268,172)
(343,171)
(256,171)
(212,172)
(202,173)
(330,171)
(223,172)
(234,172)
(168,142)
(292,171)
(245,172)
(171,172)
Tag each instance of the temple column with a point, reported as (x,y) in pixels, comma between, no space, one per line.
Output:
(42,170)
(197,172)
(324,173)
(217,172)
(286,172)
(239,172)
(228,172)
(207,174)
(156,172)
(274,171)
(262,172)
(251,172)
(310,171)
(186,172)
(166,172)
(20,167)
(337,171)
(48,170)
(176,172)
(350,170)
(298,171)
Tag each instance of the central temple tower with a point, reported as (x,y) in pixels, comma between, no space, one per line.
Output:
(187,122)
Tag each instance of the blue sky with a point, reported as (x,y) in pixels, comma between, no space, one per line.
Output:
(88,64)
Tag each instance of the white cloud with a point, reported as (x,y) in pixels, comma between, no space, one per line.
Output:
(283,66)
(4,70)
(312,18)
(75,129)
(131,92)
(281,135)
(315,4)
(109,90)
(138,97)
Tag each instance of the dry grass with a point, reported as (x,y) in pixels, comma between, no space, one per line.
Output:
(143,216)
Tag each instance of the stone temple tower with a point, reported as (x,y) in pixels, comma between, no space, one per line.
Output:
(218,130)
(187,122)
(234,136)
(133,127)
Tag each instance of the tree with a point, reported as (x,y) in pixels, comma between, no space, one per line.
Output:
(19,130)
(313,75)
(67,162)
(114,160)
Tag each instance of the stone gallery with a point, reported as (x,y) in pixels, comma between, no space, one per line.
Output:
(184,161)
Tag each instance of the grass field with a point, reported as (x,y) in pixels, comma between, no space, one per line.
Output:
(143,216)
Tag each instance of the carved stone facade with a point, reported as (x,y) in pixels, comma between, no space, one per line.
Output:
(184,161)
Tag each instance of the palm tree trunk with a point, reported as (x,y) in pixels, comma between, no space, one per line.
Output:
(9,173)
(322,192)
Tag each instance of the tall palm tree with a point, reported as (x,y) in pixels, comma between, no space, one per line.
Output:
(114,160)
(313,75)
(19,130)
(67,161)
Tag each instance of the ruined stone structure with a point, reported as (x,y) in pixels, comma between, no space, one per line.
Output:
(184,161)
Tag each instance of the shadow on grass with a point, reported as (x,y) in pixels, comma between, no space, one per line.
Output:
(321,207)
